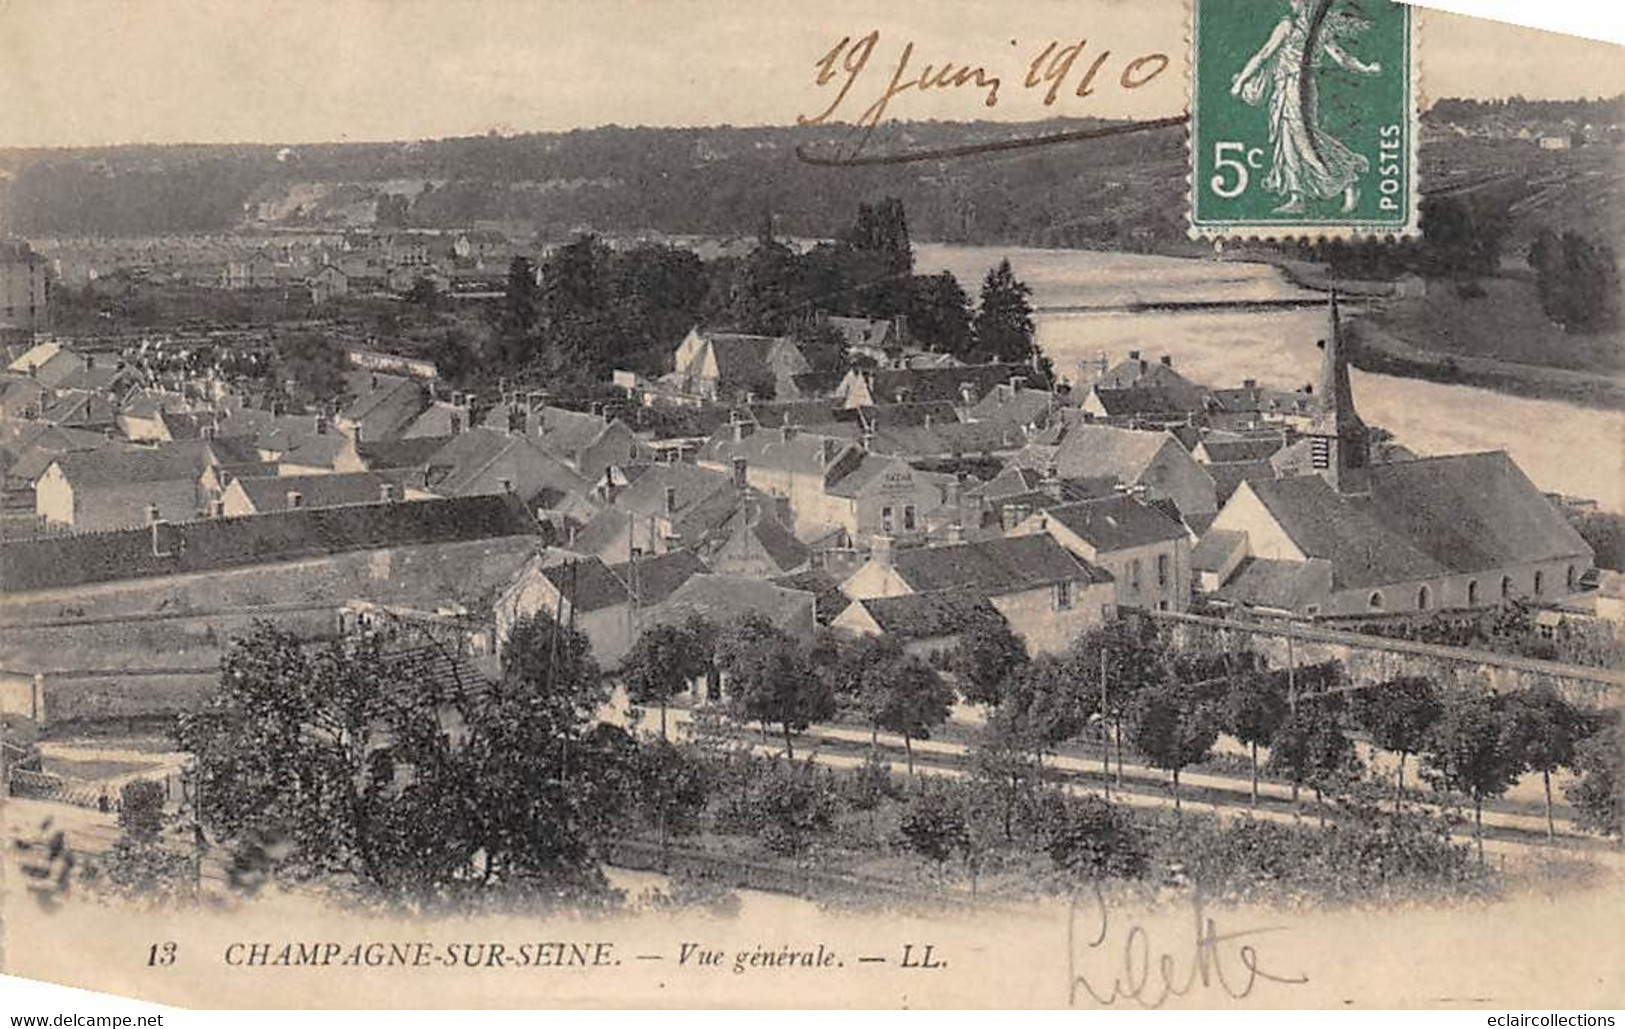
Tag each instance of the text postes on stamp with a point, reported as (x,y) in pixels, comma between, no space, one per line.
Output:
(1303,118)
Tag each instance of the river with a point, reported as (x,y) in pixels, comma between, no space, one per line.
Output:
(1082,301)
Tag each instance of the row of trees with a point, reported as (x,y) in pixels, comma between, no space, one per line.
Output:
(362,763)
(590,309)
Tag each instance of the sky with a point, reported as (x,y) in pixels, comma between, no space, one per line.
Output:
(95,72)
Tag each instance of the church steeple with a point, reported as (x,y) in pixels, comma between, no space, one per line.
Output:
(1339,442)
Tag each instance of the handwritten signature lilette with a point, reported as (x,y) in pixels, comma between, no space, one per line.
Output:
(1056,68)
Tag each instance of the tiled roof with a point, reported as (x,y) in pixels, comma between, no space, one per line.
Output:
(1463,513)
(1096,451)
(208,545)
(1283,585)
(928,615)
(1215,548)
(114,467)
(721,599)
(412,452)
(1227,450)
(271,493)
(916,385)
(1230,474)
(831,601)
(1117,523)
(587,583)
(994,566)
(655,578)
(1143,400)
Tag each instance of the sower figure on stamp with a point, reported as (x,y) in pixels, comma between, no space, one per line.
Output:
(1308,162)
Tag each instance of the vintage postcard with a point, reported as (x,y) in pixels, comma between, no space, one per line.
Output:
(525,504)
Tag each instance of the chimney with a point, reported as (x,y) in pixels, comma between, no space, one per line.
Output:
(967,393)
(880,550)
(90,361)
(321,425)
(1168,360)
(671,501)
(506,484)
(152,514)
(1015,384)
(1133,355)
(738,424)
(741,469)
(1249,383)
(1143,366)
(456,423)
(954,533)
(928,419)
(295,499)
(372,380)
(388,492)
(827,451)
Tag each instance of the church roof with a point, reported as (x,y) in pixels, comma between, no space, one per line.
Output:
(1459,514)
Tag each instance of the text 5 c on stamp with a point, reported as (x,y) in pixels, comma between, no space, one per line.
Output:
(1303,118)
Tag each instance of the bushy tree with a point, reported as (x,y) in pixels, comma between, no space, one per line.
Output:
(1466,752)
(1093,839)
(912,701)
(1118,660)
(1253,710)
(770,679)
(1312,748)
(934,824)
(1172,729)
(987,653)
(1541,731)
(1598,794)
(939,314)
(1397,715)
(1004,319)
(661,664)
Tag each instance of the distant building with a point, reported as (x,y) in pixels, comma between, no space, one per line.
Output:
(327,283)
(24,291)
(735,366)
(1152,461)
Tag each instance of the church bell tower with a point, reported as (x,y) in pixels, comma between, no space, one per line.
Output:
(1339,442)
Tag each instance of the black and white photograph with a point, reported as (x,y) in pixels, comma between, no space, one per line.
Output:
(529,504)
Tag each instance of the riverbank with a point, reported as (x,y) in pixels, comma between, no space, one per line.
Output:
(1381,352)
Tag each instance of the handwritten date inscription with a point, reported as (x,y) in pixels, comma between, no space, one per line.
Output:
(1057,67)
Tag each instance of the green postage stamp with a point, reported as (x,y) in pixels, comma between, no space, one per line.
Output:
(1303,118)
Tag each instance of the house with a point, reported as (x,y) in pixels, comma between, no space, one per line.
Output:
(482,461)
(1357,537)
(964,386)
(328,283)
(1147,552)
(246,495)
(140,415)
(578,592)
(1252,406)
(1139,373)
(81,409)
(731,365)
(1015,406)
(121,488)
(723,599)
(1151,460)
(98,490)
(323,451)
(651,580)
(871,337)
(660,508)
(927,625)
(1048,594)
(752,542)
(385,406)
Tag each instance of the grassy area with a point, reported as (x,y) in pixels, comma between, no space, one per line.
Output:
(1506,324)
